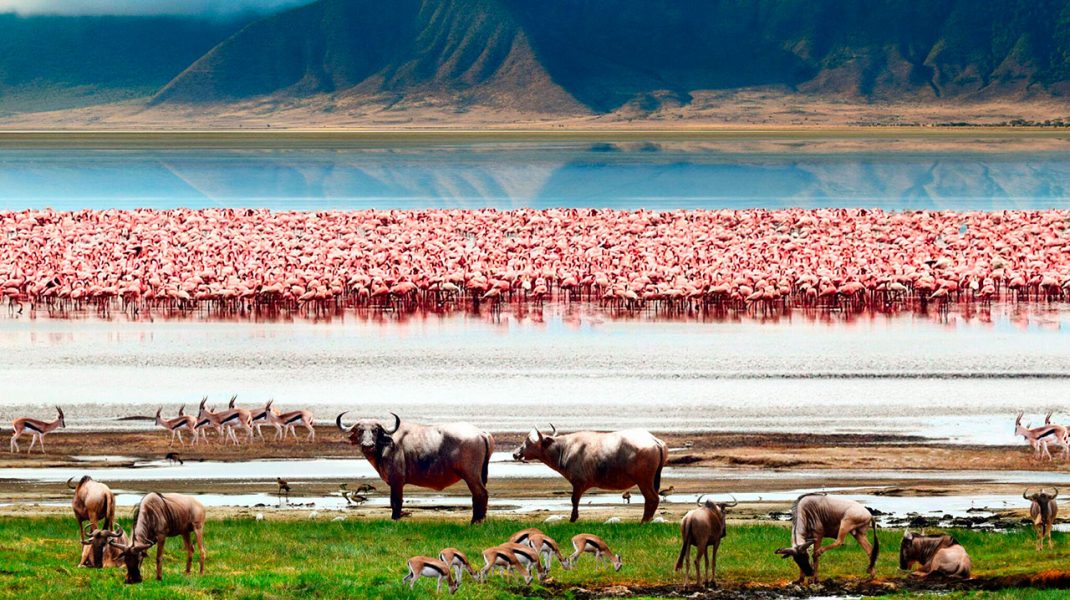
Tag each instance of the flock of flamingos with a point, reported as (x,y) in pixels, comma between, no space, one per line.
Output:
(761,260)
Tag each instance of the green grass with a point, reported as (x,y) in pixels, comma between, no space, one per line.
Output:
(365,559)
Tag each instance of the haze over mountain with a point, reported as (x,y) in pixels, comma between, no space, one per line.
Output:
(571,58)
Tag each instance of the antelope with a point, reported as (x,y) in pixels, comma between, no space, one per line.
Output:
(285,422)
(936,555)
(38,429)
(156,518)
(209,418)
(703,528)
(177,424)
(586,542)
(815,517)
(505,560)
(235,417)
(93,502)
(1041,437)
(459,562)
(425,566)
(547,549)
(1042,510)
(527,556)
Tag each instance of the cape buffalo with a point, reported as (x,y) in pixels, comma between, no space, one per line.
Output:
(431,456)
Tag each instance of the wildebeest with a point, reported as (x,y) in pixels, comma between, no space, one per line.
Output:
(97,551)
(703,528)
(610,461)
(1042,510)
(431,456)
(815,517)
(936,555)
(93,502)
(156,518)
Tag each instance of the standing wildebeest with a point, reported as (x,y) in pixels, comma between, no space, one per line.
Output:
(156,518)
(97,551)
(434,456)
(936,554)
(703,528)
(611,461)
(1042,511)
(94,502)
(815,517)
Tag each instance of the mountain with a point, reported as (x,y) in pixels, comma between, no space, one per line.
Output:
(358,61)
(53,62)
(601,55)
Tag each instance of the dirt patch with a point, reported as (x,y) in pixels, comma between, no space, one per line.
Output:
(1049,580)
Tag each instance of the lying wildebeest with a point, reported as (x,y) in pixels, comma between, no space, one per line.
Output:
(815,517)
(431,456)
(156,518)
(93,502)
(1042,510)
(97,551)
(936,555)
(703,528)
(610,461)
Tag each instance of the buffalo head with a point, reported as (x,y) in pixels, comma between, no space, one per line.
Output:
(368,434)
(801,557)
(535,445)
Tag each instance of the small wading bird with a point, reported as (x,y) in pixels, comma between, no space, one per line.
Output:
(36,428)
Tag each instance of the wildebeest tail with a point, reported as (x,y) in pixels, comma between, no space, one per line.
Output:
(686,546)
(486,458)
(664,459)
(1043,506)
(876,543)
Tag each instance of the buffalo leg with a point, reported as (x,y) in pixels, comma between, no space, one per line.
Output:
(396,500)
(650,501)
(159,560)
(479,498)
(189,551)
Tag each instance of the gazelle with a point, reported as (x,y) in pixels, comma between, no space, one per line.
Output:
(547,549)
(235,417)
(503,559)
(37,429)
(425,566)
(207,417)
(177,424)
(586,542)
(285,422)
(458,562)
(1041,437)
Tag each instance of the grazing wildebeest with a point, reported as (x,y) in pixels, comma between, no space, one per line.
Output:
(431,456)
(93,502)
(1042,510)
(97,551)
(936,555)
(703,528)
(610,461)
(815,517)
(156,518)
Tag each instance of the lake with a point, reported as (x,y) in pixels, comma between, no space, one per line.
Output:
(661,175)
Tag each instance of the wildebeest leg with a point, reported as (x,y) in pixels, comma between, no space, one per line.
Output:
(200,547)
(860,535)
(712,577)
(479,497)
(81,530)
(817,551)
(159,559)
(577,493)
(841,537)
(189,552)
(396,499)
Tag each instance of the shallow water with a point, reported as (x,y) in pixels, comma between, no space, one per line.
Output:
(664,175)
(957,377)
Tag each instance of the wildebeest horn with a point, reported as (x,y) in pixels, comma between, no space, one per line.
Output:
(69,483)
(734,502)
(553,430)
(1025,494)
(699,501)
(338,421)
(88,529)
(397,423)
(538,434)
(1055,492)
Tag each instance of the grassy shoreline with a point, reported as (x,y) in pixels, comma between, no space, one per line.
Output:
(365,558)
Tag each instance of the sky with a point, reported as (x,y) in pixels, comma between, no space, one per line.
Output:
(205,8)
